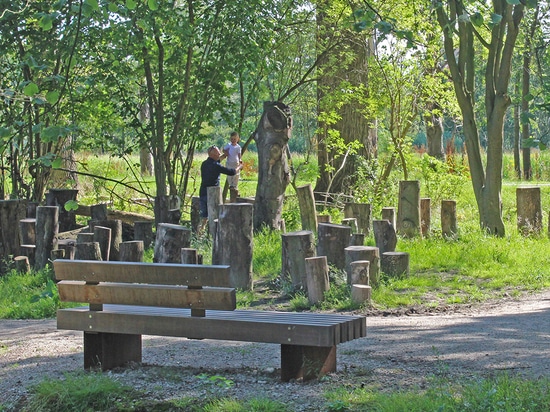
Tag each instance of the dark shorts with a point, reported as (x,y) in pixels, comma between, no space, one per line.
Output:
(204,207)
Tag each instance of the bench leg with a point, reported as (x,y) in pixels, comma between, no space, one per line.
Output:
(306,362)
(109,350)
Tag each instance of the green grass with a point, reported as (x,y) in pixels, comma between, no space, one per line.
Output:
(95,391)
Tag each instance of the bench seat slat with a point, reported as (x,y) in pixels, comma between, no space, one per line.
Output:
(94,271)
(148,295)
(200,328)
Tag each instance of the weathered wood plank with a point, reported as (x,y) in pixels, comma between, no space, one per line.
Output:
(282,327)
(148,295)
(139,272)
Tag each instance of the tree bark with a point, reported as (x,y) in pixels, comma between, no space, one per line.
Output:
(47,227)
(308,214)
(529,210)
(11,211)
(59,197)
(317,278)
(27,230)
(384,235)
(332,240)
(116,235)
(408,210)
(273,134)
(169,241)
(102,235)
(448,219)
(296,247)
(131,251)
(425,216)
(362,212)
(87,251)
(395,263)
(143,230)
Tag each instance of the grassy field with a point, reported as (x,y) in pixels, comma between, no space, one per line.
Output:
(470,268)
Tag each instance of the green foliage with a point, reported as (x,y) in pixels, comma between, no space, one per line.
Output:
(443,180)
(80,392)
(501,393)
(251,405)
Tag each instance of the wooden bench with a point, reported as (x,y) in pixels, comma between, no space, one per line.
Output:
(127,300)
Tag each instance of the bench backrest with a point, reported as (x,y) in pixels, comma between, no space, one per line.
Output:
(197,287)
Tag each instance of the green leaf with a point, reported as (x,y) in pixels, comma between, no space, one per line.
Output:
(46,22)
(512,2)
(477,19)
(112,7)
(528,97)
(153,4)
(531,4)
(496,18)
(57,163)
(4,132)
(70,205)
(93,4)
(52,96)
(30,89)
(131,4)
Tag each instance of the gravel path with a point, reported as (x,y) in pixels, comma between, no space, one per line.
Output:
(399,351)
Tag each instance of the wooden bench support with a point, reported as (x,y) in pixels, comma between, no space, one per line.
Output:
(110,350)
(306,362)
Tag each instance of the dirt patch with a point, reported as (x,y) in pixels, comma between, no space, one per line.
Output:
(401,349)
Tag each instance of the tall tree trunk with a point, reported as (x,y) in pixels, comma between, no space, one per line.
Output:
(273,133)
(434,132)
(517,161)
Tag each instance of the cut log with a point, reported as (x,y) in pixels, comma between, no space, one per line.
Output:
(116,235)
(448,219)
(296,247)
(87,251)
(306,200)
(189,256)
(22,264)
(395,264)
(388,213)
(360,272)
(169,241)
(143,230)
(529,210)
(131,251)
(384,235)
(361,294)
(27,230)
(425,216)
(331,241)
(317,278)
(361,212)
(47,227)
(408,210)
(102,235)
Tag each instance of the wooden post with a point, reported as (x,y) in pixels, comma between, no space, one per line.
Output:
(384,235)
(11,211)
(102,235)
(425,216)
(316,278)
(214,196)
(57,254)
(143,230)
(408,210)
(296,247)
(84,237)
(116,234)
(98,212)
(59,197)
(131,251)
(359,272)
(332,240)
(47,227)
(27,231)
(189,256)
(87,251)
(448,219)
(388,213)
(169,242)
(236,239)
(195,214)
(68,245)
(357,239)
(308,214)
(529,210)
(30,252)
(360,253)
(323,219)
(360,211)
(360,294)
(395,263)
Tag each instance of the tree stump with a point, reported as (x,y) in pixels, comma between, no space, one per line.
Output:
(360,294)
(359,270)
(98,212)
(296,247)
(316,278)
(388,213)
(132,251)
(59,197)
(68,245)
(47,227)
(272,135)
(308,214)
(169,242)
(235,239)
(31,209)
(27,230)
(84,237)
(323,219)
(87,251)
(57,254)
(529,210)
(102,235)
(448,219)
(116,235)
(195,214)
(425,216)
(384,235)
(361,253)
(408,209)
(189,256)
(30,252)
(22,264)
(362,212)
(395,264)
(143,230)
(214,196)
(357,239)
(11,211)
(332,240)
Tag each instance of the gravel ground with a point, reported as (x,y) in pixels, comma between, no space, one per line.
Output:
(401,350)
